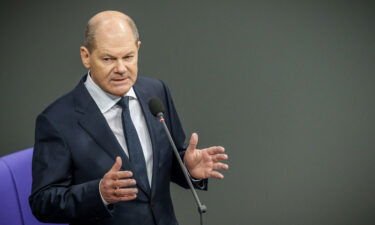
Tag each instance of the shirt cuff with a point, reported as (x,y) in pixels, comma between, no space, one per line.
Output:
(194,180)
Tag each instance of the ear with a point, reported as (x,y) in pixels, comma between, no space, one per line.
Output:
(138,44)
(85,56)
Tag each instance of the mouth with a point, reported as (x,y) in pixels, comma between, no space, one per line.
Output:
(120,80)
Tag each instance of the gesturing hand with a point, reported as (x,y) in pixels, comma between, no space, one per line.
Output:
(202,163)
(114,186)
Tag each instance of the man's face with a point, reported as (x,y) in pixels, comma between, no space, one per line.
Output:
(113,62)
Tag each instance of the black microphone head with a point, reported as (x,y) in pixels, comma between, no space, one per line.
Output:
(156,106)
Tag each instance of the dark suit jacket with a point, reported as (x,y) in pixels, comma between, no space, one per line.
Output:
(74,148)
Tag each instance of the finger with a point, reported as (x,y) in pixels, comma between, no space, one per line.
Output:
(219,157)
(127,198)
(107,184)
(120,192)
(115,191)
(124,174)
(125,183)
(220,166)
(115,175)
(117,165)
(111,178)
(193,142)
(215,150)
(217,175)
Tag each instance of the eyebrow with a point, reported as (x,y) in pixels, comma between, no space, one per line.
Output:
(109,55)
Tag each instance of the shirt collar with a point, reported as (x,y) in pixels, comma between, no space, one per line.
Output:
(104,100)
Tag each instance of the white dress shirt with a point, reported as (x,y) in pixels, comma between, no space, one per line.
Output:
(107,104)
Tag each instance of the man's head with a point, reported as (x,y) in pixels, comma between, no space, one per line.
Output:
(110,51)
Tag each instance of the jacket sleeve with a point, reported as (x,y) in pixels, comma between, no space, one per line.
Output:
(178,135)
(54,197)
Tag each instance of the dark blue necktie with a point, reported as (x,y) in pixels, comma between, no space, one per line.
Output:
(136,156)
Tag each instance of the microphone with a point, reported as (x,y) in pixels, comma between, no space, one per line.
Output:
(157,109)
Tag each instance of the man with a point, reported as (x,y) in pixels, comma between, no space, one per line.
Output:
(100,157)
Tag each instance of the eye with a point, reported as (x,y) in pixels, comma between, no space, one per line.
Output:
(107,59)
(128,57)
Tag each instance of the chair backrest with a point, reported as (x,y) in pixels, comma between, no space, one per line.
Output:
(15,188)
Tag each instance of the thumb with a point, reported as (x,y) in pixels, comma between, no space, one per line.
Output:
(117,165)
(193,142)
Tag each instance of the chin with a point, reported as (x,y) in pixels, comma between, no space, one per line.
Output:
(120,91)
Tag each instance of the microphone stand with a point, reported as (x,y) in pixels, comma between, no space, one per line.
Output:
(201,208)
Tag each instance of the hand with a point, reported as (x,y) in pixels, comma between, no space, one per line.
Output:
(202,163)
(115,183)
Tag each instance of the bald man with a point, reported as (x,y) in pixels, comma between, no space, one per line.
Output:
(100,157)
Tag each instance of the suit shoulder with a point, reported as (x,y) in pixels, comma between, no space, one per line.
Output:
(62,104)
(149,82)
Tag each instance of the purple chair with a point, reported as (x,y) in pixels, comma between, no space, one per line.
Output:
(15,188)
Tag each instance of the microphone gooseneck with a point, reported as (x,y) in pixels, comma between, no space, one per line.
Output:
(157,109)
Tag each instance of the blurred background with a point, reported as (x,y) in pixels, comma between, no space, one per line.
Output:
(286,86)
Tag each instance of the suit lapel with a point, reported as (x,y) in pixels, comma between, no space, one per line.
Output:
(151,122)
(94,123)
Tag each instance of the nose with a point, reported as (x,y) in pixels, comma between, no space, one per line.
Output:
(120,67)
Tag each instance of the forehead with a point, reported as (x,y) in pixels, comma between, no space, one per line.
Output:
(114,38)
(115,44)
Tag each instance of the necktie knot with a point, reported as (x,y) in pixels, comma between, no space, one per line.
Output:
(124,102)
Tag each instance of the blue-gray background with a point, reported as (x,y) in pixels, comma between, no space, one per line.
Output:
(287,87)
